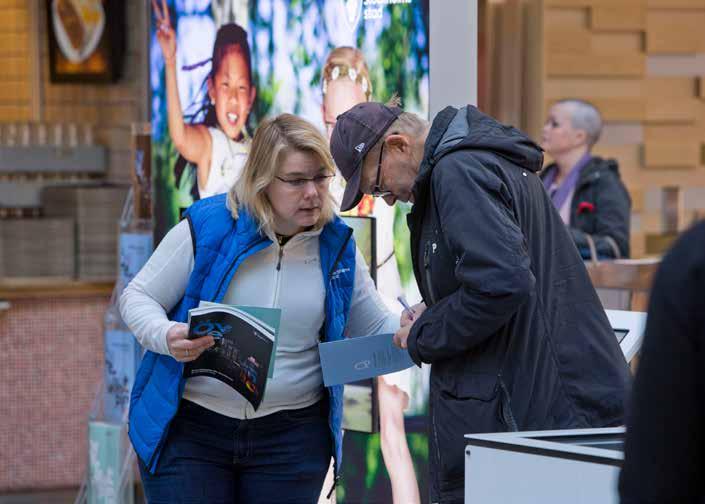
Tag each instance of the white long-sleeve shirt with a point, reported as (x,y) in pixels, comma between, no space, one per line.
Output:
(296,287)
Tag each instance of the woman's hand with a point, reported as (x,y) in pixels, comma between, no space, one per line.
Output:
(408,318)
(183,349)
(165,33)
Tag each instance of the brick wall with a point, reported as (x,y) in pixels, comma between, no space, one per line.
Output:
(26,95)
(52,363)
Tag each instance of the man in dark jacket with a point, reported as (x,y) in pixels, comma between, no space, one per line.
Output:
(514,331)
(587,190)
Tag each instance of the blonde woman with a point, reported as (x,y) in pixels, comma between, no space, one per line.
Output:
(274,241)
(346,83)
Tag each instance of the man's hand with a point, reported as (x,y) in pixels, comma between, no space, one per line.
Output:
(408,318)
(401,336)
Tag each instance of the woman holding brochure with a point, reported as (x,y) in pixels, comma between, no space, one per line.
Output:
(272,241)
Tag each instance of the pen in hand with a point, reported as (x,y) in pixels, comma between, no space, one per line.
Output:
(406,306)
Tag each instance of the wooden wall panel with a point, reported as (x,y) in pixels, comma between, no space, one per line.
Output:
(637,196)
(670,132)
(618,17)
(590,3)
(620,109)
(628,156)
(683,110)
(613,109)
(701,87)
(568,19)
(675,32)
(671,154)
(561,87)
(676,4)
(617,41)
(568,39)
(604,64)
(669,87)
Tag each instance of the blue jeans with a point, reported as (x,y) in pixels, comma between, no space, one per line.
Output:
(212,459)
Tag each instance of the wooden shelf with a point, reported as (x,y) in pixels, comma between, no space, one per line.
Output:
(42,288)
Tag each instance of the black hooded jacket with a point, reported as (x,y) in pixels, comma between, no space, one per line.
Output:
(601,210)
(516,335)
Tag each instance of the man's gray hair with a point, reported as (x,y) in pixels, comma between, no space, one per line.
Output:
(407,122)
(585,117)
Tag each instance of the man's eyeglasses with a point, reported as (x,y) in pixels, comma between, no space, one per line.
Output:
(377,191)
(300,182)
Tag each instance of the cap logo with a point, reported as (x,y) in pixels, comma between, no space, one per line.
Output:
(360,146)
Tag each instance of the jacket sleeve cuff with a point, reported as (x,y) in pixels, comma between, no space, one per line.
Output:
(413,346)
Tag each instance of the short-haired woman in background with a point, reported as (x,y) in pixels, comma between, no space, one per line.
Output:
(586,189)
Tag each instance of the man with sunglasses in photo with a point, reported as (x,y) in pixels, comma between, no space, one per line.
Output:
(515,334)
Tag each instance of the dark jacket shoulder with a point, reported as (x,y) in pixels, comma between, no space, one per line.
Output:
(600,213)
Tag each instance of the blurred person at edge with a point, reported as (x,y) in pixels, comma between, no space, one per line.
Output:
(586,189)
(273,240)
(664,453)
(515,334)
(345,83)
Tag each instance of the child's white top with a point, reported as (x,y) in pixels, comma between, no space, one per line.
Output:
(227,161)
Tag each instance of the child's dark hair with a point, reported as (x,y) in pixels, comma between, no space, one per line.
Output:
(229,35)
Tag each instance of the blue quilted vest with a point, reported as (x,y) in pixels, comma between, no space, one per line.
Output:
(221,244)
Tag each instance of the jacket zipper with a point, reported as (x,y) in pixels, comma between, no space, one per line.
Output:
(340,254)
(281,253)
(427,271)
(278,279)
(438,448)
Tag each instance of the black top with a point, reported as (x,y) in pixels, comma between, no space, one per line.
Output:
(601,210)
(516,335)
(665,446)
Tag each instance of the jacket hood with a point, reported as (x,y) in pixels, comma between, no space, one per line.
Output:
(468,128)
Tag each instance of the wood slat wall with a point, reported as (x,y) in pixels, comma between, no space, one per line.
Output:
(604,51)
(109,108)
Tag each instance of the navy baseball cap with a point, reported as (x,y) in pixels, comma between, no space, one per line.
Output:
(356,132)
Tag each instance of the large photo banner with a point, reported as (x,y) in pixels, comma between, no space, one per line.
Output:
(283,48)
(218,69)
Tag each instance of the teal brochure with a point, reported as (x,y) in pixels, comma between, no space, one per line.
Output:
(270,317)
(354,359)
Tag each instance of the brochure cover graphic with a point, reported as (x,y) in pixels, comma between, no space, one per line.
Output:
(244,350)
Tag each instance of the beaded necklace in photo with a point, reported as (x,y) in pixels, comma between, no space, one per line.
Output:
(340,71)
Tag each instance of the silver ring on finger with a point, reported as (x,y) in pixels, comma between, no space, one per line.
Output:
(187,352)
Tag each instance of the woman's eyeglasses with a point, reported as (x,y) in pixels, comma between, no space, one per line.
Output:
(300,182)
